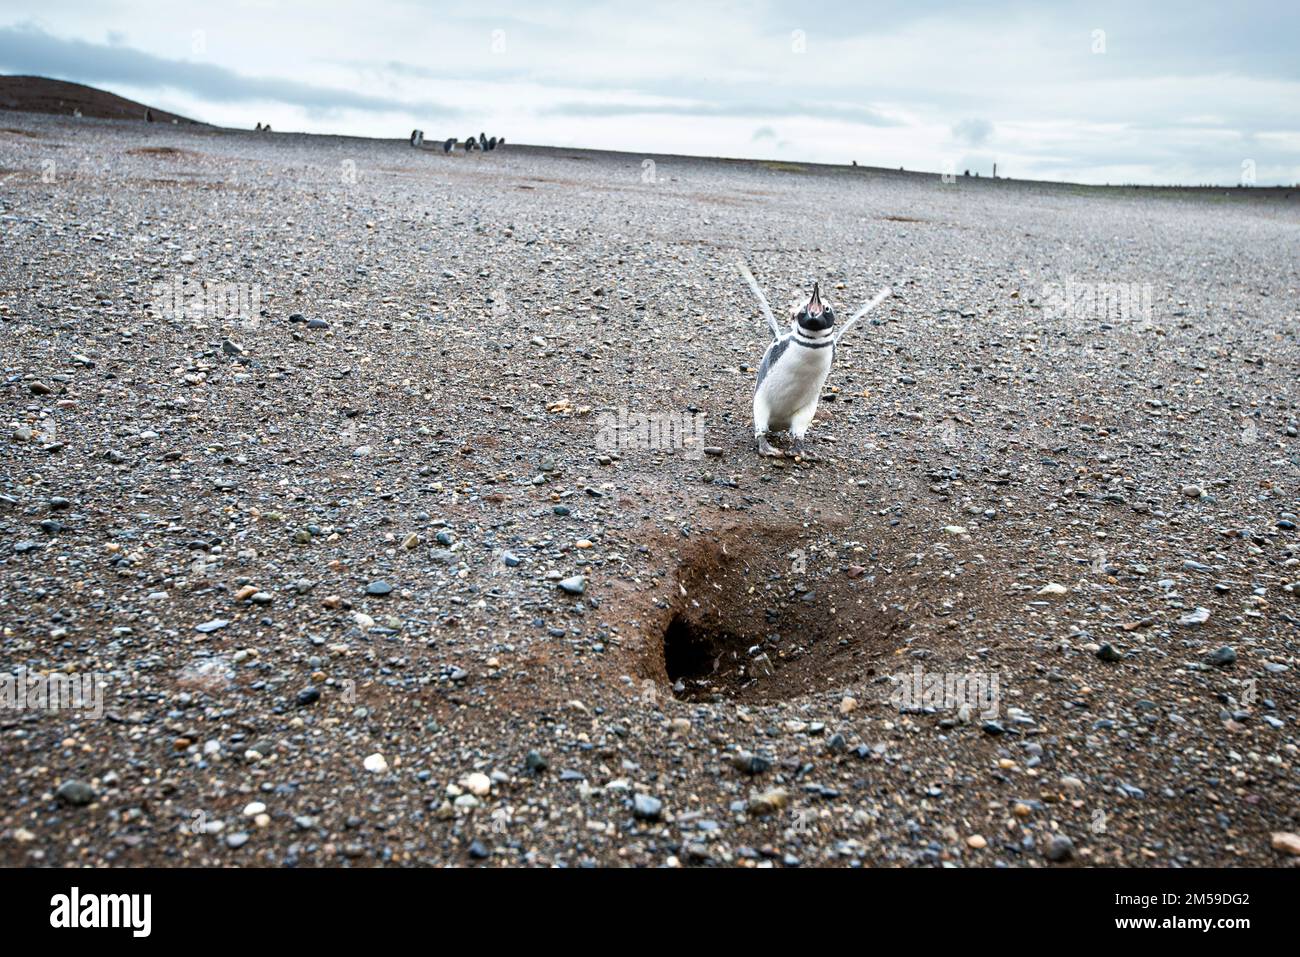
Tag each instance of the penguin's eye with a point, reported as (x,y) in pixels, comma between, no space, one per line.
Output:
(829,313)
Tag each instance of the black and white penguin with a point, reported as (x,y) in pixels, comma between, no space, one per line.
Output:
(449,144)
(469,143)
(417,138)
(795,366)
(482,141)
(492,142)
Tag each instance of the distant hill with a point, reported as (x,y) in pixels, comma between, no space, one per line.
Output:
(39,94)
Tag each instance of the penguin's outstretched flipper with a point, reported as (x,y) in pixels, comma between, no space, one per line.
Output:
(762,299)
(880,297)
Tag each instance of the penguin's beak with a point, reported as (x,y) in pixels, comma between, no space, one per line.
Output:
(814,306)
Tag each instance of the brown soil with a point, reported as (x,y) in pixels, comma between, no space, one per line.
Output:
(39,94)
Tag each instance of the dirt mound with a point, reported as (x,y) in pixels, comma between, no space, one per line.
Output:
(39,94)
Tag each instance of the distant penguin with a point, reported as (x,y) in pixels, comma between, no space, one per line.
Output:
(492,142)
(417,138)
(148,115)
(795,366)
(501,141)
(469,143)
(258,128)
(449,144)
(482,141)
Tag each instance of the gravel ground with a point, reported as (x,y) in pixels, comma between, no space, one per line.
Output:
(360,577)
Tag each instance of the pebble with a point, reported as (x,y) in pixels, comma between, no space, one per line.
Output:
(1060,848)
(1222,657)
(375,764)
(768,802)
(1287,842)
(75,793)
(1108,652)
(379,587)
(647,808)
(575,585)
(751,763)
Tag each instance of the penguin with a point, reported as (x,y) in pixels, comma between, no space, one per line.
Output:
(469,143)
(482,141)
(795,366)
(501,141)
(449,144)
(417,138)
(492,142)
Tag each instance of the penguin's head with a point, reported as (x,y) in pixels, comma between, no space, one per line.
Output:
(815,318)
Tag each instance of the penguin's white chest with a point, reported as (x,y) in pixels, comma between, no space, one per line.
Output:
(791,381)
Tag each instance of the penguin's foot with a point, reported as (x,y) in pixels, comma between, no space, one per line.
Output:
(767,448)
(800,449)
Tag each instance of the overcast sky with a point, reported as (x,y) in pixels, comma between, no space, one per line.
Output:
(1101,92)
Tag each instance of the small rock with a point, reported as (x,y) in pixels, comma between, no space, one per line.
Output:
(375,764)
(1287,842)
(1060,848)
(575,585)
(647,808)
(1222,657)
(750,763)
(768,802)
(76,793)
